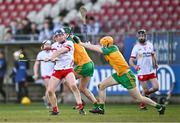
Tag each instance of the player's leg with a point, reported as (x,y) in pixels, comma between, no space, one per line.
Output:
(70,79)
(65,89)
(103,85)
(46,83)
(85,72)
(1,89)
(78,76)
(53,83)
(128,81)
(17,92)
(20,92)
(60,97)
(139,98)
(144,86)
(145,89)
(25,88)
(155,86)
(46,99)
(102,94)
(83,88)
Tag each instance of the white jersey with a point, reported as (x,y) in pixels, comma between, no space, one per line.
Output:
(65,60)
(46,67)
(143,54)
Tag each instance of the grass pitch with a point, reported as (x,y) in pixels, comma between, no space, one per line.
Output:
(36,112)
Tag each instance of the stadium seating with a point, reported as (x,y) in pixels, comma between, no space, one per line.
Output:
(159,15)
(18,9)
(115,15)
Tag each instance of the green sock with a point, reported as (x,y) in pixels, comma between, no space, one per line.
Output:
(158,106)
(101,106)
(95,105)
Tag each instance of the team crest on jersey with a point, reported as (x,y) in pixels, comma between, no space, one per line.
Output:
(140,55)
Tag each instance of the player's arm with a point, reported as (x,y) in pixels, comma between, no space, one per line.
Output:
(36,69)
(132,61)
(154,60)
(57,53)
(93,47)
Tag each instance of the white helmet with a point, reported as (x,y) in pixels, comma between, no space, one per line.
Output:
(45,42)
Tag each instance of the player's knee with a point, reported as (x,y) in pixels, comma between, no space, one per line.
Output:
(50,92)
(73,87)
(82,89)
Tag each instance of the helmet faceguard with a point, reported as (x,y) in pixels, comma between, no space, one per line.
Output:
(57,33)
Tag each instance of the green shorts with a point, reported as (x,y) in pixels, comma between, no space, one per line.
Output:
(127,80)
(85,70)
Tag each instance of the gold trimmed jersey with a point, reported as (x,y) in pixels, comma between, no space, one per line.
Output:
(80,55)
(115,59)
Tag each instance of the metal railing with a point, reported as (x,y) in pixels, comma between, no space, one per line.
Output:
(166,44)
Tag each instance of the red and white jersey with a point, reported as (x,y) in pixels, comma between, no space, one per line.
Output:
(45,67)
(65,60)
(143,54)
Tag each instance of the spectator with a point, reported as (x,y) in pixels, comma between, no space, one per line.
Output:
(46,32)
(13,26)
(93,27)
(49,20)
(75,27)
(2,74)
(20,27)
(34,30)
(8,37)
(27,24)
(21,31)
